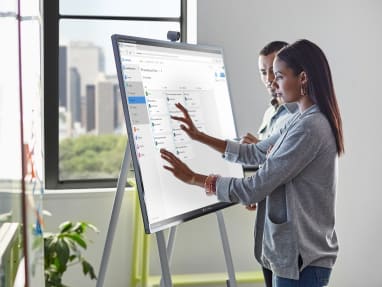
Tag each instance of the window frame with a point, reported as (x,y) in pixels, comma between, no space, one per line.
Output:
(51,20)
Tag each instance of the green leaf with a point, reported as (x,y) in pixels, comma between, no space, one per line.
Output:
(85,267)
(88,268)
(77,238)
(79,228)
(91,226)
(71,243)
(62,249)
(52,245)
(52,268)
(65,226)
(72,257)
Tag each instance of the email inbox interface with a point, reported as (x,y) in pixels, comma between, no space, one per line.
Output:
(155,79)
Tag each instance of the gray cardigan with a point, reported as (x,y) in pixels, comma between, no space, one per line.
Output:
(296,191)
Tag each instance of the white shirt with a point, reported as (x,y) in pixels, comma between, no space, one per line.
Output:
(275,118)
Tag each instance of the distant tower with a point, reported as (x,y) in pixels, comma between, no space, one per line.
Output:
(62,76)
(88,60)
(75,95)
(90,108)
(104,114)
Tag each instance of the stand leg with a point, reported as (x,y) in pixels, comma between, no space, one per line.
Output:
(170,243)
(170,247)
(166,276)
(145,259)
(231,282)
(114,216)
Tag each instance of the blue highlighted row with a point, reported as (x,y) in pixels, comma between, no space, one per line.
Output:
(220,75)
(136,100)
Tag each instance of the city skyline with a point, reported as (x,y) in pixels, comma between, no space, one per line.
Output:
(89,99)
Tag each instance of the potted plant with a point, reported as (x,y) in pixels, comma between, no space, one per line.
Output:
(63,249)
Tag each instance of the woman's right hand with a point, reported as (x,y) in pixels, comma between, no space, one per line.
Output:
(191,130)
(188,125)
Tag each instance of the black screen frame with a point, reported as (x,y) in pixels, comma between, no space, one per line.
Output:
(167,223)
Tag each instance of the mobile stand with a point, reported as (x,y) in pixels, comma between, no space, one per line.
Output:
(165,252)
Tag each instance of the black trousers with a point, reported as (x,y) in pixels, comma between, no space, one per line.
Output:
(268,273)
(267,277)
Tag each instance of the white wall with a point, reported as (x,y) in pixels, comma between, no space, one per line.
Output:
(350,33)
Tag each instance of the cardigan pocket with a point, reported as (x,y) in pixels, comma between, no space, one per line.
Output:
(279,246)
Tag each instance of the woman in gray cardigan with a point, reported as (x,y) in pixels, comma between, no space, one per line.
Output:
(295,188)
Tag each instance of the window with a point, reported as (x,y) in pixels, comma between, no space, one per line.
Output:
(85,136)
(21,170)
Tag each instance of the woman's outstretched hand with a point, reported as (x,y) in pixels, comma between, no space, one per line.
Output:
(178,168)
(188,125)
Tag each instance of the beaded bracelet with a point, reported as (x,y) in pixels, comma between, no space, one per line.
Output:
(210,184)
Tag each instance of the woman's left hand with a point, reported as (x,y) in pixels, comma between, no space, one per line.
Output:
(178,168)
